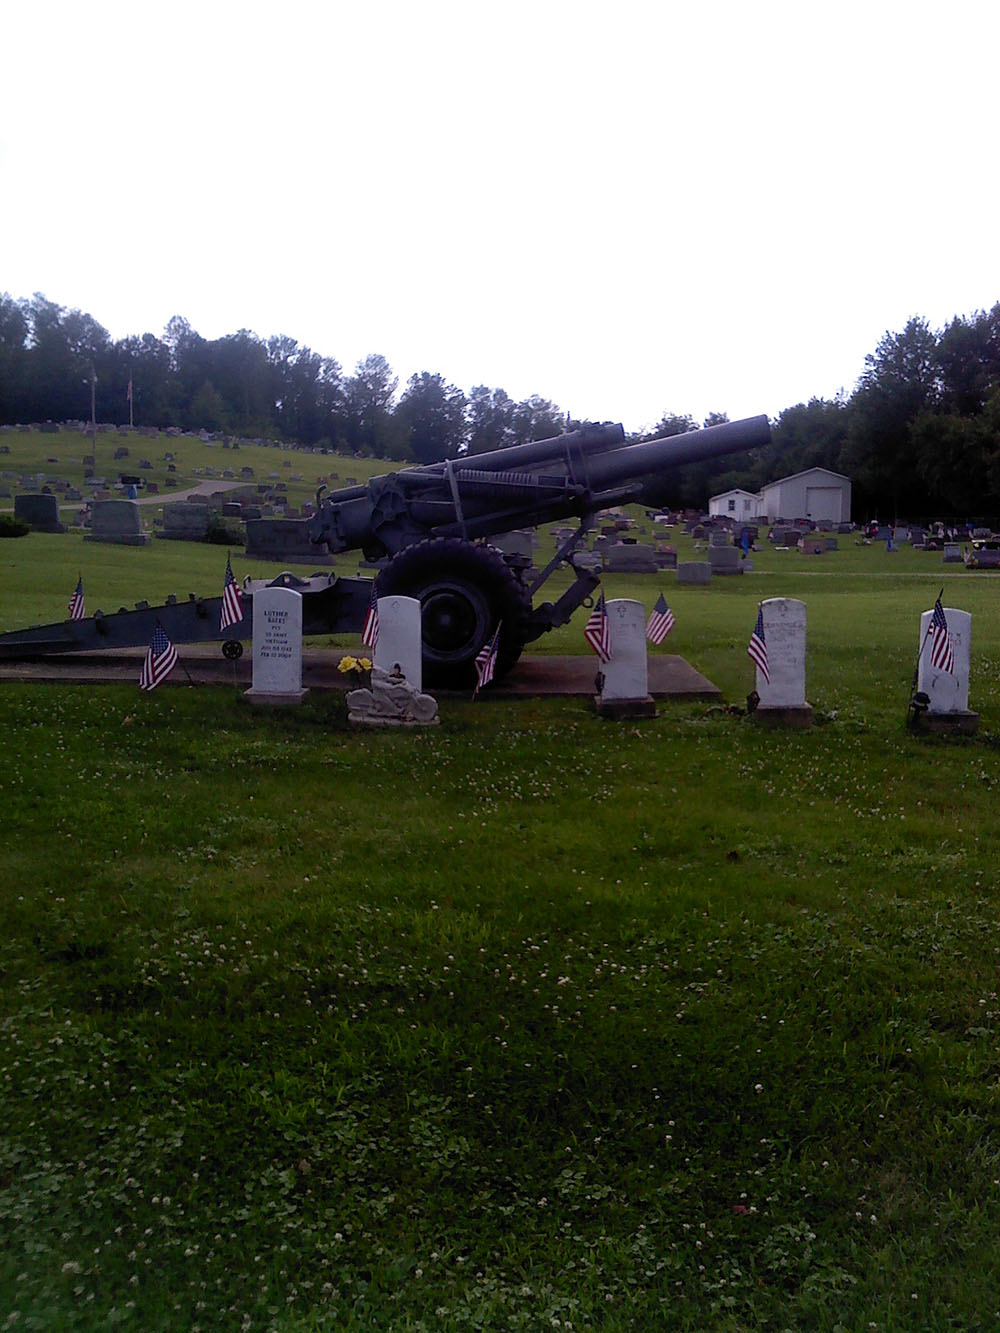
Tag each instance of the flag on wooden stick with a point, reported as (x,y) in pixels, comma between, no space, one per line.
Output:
(486,661)
(232,599)
(598,631)
(369,634)
(757,648)
(76,609)
(942,647)
(660,622)
(161,658)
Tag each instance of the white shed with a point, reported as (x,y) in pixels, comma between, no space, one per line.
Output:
(816,494)
(738,505)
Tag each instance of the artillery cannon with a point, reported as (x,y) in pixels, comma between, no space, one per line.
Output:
(430,525)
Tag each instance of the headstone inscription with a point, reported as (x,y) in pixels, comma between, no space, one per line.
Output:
(185,522)
(284,539)
(947,691)
(782,697)
(694,571)
(399,638)
(277,647)
(624,678)
(725,559)
(118,522)
(40,512)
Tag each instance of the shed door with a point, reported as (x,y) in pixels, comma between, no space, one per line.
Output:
(824,502)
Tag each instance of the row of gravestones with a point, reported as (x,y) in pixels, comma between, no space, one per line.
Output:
(119,522)
(623,682)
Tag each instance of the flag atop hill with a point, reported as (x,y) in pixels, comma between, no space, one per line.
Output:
(757,648)
(232,600)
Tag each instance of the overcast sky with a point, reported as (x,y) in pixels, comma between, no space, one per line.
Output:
(627,208)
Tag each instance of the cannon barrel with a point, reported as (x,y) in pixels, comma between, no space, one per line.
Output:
(696,446)
(568,475)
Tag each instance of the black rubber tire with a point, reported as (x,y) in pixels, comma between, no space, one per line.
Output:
(464,589)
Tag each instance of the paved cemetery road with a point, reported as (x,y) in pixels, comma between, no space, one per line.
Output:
(203,488)
(670,677)
(167,497)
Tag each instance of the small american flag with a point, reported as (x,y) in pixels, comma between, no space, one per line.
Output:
(486,661)
(232,600)
(76,611)
(598,631)
(161,658)
(369,634)
(757,648)
(942,648)
(660,622)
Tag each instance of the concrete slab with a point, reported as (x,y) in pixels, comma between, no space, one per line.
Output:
(670,677)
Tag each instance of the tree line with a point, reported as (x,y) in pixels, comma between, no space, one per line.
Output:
(918,436)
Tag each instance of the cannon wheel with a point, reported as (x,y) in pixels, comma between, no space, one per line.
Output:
(464,589)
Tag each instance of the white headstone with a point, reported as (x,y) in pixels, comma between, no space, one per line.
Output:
(948,691)
(785,639)
(626,675)
(399,641)
(277,642)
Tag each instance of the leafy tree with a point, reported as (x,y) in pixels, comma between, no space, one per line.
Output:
(490,418)
(670,424)
(536,419)
(13,358)
(900,381)
(432,416)
(968,359)
(146,362)
(65,348)
(208,407)
(369,395)
(807,435)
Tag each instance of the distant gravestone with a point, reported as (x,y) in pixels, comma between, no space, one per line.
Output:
(947,691)
(694,571)
(285,539)
(184,522)
(118,522)
(277,647)
(630,559)
(785,536)
(782,698)
(952,553)
(624,679)
(399,638)
(40,512)
(725,560)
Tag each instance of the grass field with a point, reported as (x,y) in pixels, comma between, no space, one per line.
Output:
(526,1021)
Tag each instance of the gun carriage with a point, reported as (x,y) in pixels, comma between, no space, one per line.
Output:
(430,526)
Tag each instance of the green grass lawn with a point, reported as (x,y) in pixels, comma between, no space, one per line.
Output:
(525,1021)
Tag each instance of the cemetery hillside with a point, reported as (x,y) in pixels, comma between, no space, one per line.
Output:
(917,434)
(527,1019)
